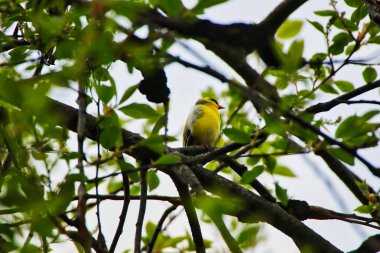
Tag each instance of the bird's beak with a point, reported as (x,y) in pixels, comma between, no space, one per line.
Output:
(220,107)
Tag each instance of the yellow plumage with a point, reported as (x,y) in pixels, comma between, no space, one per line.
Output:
(203,124)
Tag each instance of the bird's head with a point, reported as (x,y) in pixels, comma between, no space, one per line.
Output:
(209,102)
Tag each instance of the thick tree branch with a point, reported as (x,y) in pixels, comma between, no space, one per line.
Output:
(259,209)
(371,245)
(373,7)
(275,19)
(268,212)
(12,44)
(237,35)
(347,176)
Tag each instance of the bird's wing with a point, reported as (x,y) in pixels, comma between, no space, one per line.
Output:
(188,139)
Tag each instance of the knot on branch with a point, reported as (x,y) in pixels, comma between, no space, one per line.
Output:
(154,86)
(298,208)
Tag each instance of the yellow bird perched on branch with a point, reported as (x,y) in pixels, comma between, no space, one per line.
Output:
(203,124)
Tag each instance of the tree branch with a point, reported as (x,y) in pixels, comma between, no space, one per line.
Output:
(124,210)
(371,245)
(140,218)
(159,227)
(279,219)
(81,209)
(256,208)
(275,19)
(191,214)
(12,44)
(347,176)
(219,223)
(326,106)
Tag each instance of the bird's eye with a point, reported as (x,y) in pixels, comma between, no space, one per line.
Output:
(216,102)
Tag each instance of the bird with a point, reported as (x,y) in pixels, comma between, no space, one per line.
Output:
(203,124)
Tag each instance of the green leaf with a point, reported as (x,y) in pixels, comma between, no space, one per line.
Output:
(202,5)
(101,74)
(289,29)
(317,26)
(43,226)
(251,175)
(171,7)
(342,38)
(110,137)
(275,125)
(30,248)
(139,111)
(248,236)
(270,163)
(18,54)
(352,127)
(360,13)
(348,24)
(281,83)
(294,56)
(237,135)
(128,93)
(336,48)
(340,41)
(160,123)
(343,155)
(350,49)
(369,74)
(374,39)
(64,197)
(369,115)
(167,159)
(135,189)
(326,13)
(150,227)
(281,194)
(128,9)
(283,171)
(353,3)
(105,92)
(154,143)
(345,86)
(363,188)
(253,160)
(124,166)
(363,209)
(153,180)
(114,185)
(327,88)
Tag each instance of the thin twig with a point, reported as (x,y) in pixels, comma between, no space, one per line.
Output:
(81,209)
(277,154)
(45,245)
(158,229)
(28,239)
(173,200)
(326,106)
(374,102)
(100,235)
(124,210)
(224,231)
(140,219)
(190,213)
